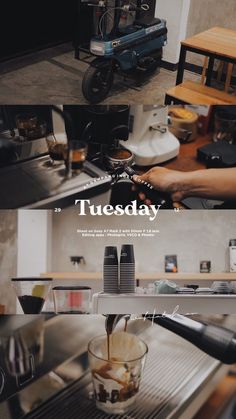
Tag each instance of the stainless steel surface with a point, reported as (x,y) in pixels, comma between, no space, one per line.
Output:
(65,340)
(25,149)
(163,303)
(176,374)
(38,184)
(18,357)
(175,371)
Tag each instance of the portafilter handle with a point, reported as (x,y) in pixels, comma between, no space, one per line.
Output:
(157,198)
(216,341)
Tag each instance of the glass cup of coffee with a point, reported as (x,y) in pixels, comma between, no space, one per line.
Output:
(72,299)
(78,154)
(57,148)
(225,127)
(116,363)
(30,127)
(32,293)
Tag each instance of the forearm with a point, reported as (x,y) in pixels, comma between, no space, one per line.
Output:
(212,183)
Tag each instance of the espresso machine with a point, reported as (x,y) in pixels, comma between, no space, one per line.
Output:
(117,137)
(29,178)
(21,351)
(177,380)
(35,362)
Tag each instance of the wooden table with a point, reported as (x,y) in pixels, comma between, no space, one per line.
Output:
(187,158)
(186,161)
(215,43)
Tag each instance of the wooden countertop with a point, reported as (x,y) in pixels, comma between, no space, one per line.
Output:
(146,276)
(216,40)
(187,158)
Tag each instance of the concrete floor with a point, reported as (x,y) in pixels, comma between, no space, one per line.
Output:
(54,76)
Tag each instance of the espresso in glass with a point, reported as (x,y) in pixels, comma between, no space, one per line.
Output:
(116,370)
(78,154)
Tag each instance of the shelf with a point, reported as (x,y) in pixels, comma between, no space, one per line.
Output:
(212,276)
(73,275)
(145,276)
(159,304)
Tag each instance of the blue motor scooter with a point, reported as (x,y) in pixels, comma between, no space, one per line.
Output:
(135,49)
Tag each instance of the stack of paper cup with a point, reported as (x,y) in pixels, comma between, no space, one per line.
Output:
(127,269)
(110,271)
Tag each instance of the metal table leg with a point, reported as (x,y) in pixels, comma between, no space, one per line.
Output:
(181,65)
(210,70)
(168,100)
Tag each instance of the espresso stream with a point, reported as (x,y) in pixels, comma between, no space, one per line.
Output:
(109,330)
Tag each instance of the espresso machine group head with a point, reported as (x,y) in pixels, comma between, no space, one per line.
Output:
(101,124)
(102,128)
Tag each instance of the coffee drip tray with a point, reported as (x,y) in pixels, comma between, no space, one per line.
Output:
(38,184)
(176,375)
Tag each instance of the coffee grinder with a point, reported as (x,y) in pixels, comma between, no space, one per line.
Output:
(150,140)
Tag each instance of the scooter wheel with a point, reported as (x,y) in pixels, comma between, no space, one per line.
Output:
(97,81)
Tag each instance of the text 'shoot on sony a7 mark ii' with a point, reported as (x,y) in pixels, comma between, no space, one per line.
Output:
(136,233)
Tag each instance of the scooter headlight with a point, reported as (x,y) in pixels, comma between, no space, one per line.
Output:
(97,48)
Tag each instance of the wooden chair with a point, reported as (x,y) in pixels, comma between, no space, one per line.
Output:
(229,73)
(193,93)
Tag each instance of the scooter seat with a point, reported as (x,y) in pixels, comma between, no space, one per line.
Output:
(146,22)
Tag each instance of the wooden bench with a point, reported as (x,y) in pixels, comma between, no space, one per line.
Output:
(193,93)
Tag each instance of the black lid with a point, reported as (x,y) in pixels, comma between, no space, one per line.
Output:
(72,288)
(127,253)
(32,278)
(232,242)
(110,255)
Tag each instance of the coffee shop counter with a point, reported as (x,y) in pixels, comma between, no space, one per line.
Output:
(95,279)
(187,158)
(185,304)
(144,277)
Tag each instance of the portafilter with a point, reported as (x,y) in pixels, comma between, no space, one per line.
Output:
(216,341)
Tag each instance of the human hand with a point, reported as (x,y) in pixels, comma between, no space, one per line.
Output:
(163,180)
